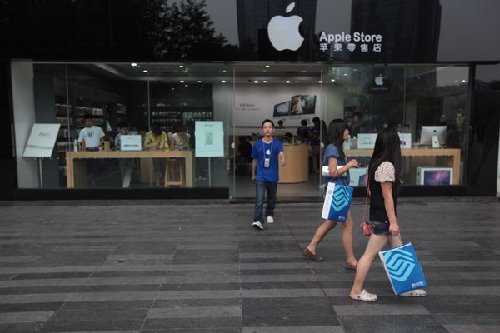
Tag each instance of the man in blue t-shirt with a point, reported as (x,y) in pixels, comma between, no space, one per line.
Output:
(265,154)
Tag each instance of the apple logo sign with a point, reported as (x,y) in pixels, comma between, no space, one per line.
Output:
(283,31)
(379,80)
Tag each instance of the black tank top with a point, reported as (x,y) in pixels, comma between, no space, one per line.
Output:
(377,207)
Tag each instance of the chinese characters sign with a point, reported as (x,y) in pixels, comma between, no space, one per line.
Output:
(358,41)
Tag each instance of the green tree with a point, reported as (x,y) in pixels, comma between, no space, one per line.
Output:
(183,28)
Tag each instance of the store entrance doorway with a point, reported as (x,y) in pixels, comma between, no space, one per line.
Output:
(291,96)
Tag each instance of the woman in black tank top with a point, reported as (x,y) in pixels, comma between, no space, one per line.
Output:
(384,173)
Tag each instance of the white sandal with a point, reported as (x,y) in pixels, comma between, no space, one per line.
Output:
(414,293)
(365,297)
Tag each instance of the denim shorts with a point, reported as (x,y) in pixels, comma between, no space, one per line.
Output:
(380,228)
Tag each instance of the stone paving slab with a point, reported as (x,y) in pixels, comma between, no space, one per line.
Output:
(199,267)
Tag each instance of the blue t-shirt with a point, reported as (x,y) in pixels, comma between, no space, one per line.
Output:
(260,151)
(333,152)
(315,132)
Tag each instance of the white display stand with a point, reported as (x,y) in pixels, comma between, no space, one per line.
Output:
(435,142)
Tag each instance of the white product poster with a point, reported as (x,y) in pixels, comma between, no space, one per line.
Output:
(366,140)
(254,103)
(209,138)
(41,140)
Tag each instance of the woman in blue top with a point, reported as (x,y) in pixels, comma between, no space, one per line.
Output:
(338,132)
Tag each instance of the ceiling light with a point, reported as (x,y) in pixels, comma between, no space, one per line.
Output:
(255,81)
(145,71)
(463,81)
(223,81)
(181,66)
(333,80)
(181,81)
(199,81)
(267,66)
(134,64)
(223,71)
(265,81)
(287,81)
(320,81)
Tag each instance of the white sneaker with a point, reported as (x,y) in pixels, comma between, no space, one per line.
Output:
(414,293)
(270,219)
(257,225)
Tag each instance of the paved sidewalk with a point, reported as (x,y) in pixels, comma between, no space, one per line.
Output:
(187,267)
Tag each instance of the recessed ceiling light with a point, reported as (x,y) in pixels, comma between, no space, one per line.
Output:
(223,81)
(181,81)
(265,81)
(145,71)
(181,66)
(134,64)
(267,66)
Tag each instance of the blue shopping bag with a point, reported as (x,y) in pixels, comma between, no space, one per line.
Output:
(403,269)
(338,199)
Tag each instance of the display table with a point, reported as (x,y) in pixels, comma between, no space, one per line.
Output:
(297,164)
(453,153)
(76,168)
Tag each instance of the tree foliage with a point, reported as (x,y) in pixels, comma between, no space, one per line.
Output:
(110,30)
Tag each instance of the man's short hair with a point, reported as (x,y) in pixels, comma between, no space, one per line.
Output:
(267,121)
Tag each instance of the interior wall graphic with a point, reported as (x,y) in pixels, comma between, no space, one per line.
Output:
(277,102)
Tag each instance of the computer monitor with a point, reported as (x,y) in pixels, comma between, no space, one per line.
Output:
(429,131)
(281,109)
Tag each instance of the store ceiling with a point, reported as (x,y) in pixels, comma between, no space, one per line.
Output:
(243,73)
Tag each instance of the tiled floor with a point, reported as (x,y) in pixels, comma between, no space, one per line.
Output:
(183,267)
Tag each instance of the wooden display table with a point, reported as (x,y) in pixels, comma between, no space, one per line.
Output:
(297,164)
(453,153)
(76,171)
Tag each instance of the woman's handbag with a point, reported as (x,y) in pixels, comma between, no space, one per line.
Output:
(366,228)
(403,269)
(338,199)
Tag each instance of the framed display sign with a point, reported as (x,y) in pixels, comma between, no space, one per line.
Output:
(131,143)
(366,140)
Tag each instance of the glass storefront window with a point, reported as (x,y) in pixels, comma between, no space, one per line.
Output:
(427,105)
(155,104)
(115,116)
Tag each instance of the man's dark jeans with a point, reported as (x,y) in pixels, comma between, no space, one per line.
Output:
(261,188)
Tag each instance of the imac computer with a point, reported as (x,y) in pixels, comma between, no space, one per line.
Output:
(429,131)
